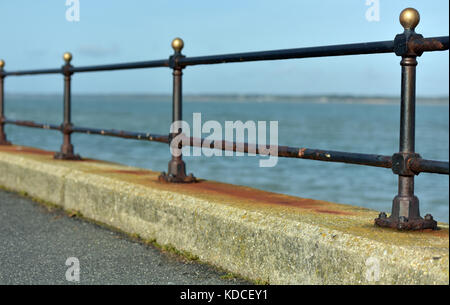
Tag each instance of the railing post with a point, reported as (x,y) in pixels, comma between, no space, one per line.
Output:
(3,140)
(177,168)
(66,152)
(405,207)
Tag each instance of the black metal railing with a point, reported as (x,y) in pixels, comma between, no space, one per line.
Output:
(406,163)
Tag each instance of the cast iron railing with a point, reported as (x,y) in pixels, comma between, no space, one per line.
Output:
(406,163)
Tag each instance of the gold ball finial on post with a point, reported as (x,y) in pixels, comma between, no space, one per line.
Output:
(2,63)
(177,44)
(409,18)
(67,57)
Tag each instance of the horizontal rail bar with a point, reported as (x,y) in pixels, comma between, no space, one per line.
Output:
(333,50)
(418,165)
(105,132)
(123,66)
(300,153)
(33,72)
(32,124)
(122,134)
(429,166)
(440,43)
(427,44)
(345,157)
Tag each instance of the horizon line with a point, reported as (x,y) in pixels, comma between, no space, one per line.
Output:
(235,95)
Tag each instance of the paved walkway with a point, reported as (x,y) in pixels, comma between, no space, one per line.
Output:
(35,244)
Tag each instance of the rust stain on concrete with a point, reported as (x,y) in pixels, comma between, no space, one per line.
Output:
(259,197)
(227,193)
(127,172)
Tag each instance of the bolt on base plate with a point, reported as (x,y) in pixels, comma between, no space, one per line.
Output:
(403,223)
(63,156)
(177,179)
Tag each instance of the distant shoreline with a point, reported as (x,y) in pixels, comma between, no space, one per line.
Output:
(257,98)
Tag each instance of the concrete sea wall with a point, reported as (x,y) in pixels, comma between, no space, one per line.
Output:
(263,236)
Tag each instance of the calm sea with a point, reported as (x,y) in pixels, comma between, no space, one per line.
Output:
(365,128)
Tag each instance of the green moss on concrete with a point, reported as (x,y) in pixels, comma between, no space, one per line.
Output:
(48,205)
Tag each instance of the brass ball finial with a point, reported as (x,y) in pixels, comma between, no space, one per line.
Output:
(67,57)
(177,44)
(409,18)
(2,63)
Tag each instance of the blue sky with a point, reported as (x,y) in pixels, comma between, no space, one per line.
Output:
(35,33)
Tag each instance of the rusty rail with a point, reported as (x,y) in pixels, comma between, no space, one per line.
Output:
(406,163)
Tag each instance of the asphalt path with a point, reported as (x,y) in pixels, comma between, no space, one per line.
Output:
(42,245)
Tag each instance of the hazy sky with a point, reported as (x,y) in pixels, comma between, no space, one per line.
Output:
(35,33)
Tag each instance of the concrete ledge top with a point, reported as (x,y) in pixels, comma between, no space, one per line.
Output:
(347,229)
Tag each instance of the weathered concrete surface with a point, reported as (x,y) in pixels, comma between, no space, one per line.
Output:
(260,235)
